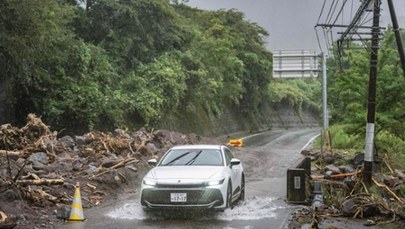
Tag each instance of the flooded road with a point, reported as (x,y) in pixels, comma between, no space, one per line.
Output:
(265,157)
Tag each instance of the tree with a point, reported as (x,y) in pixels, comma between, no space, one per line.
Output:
(129,62)
(348,92)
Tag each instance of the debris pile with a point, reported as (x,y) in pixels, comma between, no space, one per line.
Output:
(346,195)
(38,170)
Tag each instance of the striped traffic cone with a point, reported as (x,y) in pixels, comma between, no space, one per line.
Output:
(76,213)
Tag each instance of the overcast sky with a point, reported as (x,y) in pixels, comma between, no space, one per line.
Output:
(290,23)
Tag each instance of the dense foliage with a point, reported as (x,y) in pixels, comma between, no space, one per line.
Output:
(297,93)
(348,91)
(102,64)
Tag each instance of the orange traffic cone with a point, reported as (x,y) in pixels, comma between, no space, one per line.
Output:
(76,213)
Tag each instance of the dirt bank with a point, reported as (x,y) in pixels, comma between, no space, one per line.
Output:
(39,168)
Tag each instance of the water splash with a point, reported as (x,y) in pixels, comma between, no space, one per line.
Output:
(252,209)
(131,210)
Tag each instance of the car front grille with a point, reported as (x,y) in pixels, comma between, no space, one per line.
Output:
(180,185)
(194,197)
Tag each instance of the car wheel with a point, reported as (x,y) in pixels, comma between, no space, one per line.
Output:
(229,196)
(242,190)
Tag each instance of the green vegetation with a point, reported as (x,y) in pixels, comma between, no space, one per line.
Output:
(108,64)
(348,90)
(131,63)
(297,93)
(343,137)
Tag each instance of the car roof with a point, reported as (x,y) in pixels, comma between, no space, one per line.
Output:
(198,147)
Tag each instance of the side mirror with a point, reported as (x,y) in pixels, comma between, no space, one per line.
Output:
(152,162)
(235,161)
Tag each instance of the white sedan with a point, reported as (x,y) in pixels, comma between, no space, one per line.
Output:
(194,176)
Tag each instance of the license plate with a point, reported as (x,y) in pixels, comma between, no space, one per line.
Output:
(178,197)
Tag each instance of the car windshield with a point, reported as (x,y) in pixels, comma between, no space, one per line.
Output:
(187,157)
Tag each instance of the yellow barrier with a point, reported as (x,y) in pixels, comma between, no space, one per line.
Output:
(236,142)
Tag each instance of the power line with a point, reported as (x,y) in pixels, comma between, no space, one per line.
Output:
(323,7)
(340,12)
(356,19)
(334,9)
(329,13)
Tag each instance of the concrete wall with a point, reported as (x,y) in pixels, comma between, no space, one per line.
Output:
(232,121)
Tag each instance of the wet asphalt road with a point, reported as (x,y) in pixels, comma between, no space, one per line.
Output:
(265,157)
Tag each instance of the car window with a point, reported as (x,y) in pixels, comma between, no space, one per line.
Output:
(228,156)
(187,157)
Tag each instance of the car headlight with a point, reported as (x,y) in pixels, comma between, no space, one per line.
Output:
(215,182)
(150,182)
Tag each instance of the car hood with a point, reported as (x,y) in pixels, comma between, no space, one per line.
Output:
(186,172)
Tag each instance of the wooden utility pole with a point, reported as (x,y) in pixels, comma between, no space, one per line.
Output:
(372,85)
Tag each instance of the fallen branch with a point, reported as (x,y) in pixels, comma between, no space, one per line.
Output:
(386,163)
(46,195)
(41,182)
(91,186)
(20,169)
(13,154)
(337,175)
(119,164)
(388,221)
(41,144)
(388,189)
(130,148)
(122,176)
(336,183)
(31,176)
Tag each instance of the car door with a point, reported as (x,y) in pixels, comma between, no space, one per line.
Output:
(234,171)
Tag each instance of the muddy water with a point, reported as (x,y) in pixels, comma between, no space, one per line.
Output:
(252,209)
(265,158)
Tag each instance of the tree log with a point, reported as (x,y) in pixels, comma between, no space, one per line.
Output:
(41,182)
(11,154)
(119,164)
(91,186)
(47,196)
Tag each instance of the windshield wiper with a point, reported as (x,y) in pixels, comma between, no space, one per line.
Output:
(190,162)
(176,158)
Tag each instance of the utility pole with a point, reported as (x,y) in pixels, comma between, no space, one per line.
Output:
(372,85)
(324,94)
(324,135)
(397,35)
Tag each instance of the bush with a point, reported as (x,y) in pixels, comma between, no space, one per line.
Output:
(393,146)
(342,139)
